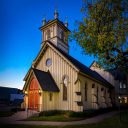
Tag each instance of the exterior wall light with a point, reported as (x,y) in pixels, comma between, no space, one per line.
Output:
(40,92)
(26,92)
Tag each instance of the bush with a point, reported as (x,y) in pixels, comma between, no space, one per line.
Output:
(76,114)
(41,114)
(70,114)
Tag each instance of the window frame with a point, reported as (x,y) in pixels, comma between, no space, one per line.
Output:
(97,89)
(48,34)
(50,63)
(50,96)
(85,91)
(65,99)
(122,83)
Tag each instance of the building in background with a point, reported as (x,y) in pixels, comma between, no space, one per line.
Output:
(10,96)
(119,79)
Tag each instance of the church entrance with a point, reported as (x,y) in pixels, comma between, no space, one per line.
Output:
(33,95)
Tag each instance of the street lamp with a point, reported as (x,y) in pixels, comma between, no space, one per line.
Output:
(119,107)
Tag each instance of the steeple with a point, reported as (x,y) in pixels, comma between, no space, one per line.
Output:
(56,13)
(44,21)
(55,31)
(66,23)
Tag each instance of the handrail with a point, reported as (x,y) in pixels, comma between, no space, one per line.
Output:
(31,109)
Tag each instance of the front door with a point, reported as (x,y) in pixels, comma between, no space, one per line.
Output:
(33,95)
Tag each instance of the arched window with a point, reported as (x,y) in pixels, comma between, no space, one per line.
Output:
(65,88)
(85,91)
(48,34)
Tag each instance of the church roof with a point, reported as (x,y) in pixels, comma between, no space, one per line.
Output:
(82,67)
(46,81)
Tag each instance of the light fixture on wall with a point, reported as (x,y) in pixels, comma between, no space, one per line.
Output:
(26,92)
(39,92)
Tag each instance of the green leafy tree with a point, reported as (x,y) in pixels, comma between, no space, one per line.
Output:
(103,32)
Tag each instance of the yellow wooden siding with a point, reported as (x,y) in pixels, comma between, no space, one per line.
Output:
(58,69)
(88,104)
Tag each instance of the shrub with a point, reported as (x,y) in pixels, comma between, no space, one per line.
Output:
(45,113)
(70,114)
(41,114)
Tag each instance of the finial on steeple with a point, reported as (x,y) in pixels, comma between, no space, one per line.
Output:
(44,21)
(56,14)
(66,23)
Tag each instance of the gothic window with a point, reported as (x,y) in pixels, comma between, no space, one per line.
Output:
(50,97)
(85,91)
(97,93)
(48,34)
(65,88)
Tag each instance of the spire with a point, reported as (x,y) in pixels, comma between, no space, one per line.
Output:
(44,21)
(66,23)
(56,14)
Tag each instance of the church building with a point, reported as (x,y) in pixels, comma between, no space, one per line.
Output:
(57,81)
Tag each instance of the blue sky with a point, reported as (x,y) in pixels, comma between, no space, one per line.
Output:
(20,36)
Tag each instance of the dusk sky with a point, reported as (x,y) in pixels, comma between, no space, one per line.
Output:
(20,36)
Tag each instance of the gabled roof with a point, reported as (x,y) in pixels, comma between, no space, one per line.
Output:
(78,65)
(45,80)
(82,67)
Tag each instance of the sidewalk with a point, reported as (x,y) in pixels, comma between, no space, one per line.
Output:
(14,119)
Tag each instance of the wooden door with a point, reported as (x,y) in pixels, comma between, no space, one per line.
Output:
(33,95)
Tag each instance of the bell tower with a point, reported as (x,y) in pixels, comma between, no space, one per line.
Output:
(55,31)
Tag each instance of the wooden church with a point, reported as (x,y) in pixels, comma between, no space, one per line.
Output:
(57,81)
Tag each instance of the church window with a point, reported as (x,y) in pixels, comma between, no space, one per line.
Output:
(65,88)
(86,91)
(48,62)
(105,94)
(97,93)
(48,34)
(50,98)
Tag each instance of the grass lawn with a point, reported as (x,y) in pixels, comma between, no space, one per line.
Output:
(6,113)
(112,122)
(52,118)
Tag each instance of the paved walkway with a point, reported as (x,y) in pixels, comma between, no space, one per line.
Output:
(15,119)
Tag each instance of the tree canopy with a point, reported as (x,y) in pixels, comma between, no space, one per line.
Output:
(103,32)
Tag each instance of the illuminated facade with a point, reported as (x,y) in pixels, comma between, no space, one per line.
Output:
(56,81)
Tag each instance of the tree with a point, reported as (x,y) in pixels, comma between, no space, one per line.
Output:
(103,32)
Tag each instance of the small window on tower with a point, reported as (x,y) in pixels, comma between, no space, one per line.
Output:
(48,34)
(62,35)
